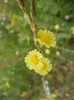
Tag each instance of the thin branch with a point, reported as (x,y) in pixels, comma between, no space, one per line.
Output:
(44,84)
(2,4)
(9,17)
(44,87)
(21,4)
(32,10)
(10,61)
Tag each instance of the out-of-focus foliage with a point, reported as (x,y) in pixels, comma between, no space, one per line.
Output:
(16,39)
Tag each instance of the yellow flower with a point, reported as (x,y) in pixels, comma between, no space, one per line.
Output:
(46,67)
(54,95)
(44,98)
(67,95)
(72,28)
(73,32)
(23,94)
(47,51)
(69,35)
(7,84)
(57,27)
(5,1)
(28,38)
(46,38)
(33,60)
(57,53)
(51,99)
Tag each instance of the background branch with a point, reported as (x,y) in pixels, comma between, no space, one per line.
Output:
(32,10)
(2,4)
(15,58)
(21,4)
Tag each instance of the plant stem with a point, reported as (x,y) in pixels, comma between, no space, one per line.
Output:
(32,10)
(44,87)
(34,28)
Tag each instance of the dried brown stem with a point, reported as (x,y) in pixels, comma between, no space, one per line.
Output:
(32,10)
(44,87)
(10,61)
(32,16)
(44,84)
(2,4)
(21,4)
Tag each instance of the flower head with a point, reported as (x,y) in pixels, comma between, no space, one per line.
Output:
(72,28)
(44,98)
(33,60)
(57,27)
(7,84)
(23,94)
(57,53)
(5,1)
(46,67)
(67,95)
(51,99)
(54,95)
(46,38)
(47,51)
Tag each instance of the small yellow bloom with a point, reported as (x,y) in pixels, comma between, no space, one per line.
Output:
(28,38)
(57,27)
(73,32)
(51,99)
(23,93)
(54,95)
(69,35)
(47,51)
(5,1)
(44,98)
(67,95)
(46,67)
(46,38)
(33,60)
(7,84)
(57,53)
(72,28)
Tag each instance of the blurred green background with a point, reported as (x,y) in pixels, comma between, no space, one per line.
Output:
(17,82)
